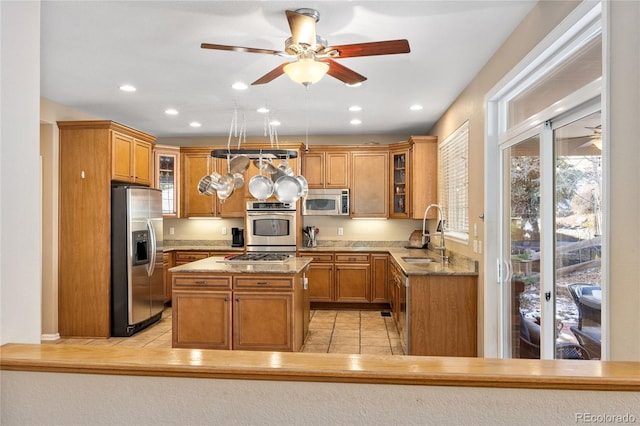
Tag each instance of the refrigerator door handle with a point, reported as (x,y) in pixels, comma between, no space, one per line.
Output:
(152,237)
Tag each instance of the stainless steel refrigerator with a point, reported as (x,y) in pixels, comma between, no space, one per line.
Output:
(137,287)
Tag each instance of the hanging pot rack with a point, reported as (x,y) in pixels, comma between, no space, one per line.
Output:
(255,154)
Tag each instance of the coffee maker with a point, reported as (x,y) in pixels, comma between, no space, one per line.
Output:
(237,235)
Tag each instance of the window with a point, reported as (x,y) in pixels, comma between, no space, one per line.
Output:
(453,182)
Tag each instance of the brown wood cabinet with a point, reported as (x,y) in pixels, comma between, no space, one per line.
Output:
(326,169)
(353,282)
(321,277)
(84,263)
(242,312)
(442,313)
(379,278)
(168,261)
(369,184)
(132,159)
(167,178)
(348,277)
(195,164)
(201,311)
(422,187)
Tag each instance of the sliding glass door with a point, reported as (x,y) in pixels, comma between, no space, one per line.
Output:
(552,239)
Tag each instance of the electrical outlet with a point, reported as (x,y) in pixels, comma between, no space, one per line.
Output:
(340,231)
(224,230)
(171,230)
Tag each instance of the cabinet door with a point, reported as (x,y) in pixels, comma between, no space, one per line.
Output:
(379,281)
(263,321)
(313,169)
(235,205)
(321,282)
(352,283)
(195,167)
(369,184)
(142,155)
(337,170)
(400,184)
(122,151)
(167,170)
(202,319)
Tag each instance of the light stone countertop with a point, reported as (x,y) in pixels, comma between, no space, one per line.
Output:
(457,265)
(217,265)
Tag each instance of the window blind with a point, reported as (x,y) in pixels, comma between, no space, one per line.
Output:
(453,182)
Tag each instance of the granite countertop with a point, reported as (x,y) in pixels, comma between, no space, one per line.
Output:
(458,265)
(217,265)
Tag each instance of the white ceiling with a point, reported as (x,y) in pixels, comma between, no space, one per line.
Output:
(90,48)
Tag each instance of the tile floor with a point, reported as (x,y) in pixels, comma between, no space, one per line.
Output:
(330,331)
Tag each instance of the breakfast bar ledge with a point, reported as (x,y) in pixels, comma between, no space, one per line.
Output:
(337,368)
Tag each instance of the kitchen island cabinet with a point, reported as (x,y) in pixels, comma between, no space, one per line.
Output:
(220,305)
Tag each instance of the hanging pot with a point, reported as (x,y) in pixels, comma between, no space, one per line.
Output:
(204,186)
(261,187)
(287,189)
(239,163)
(265,166)
(238,180)
(304,186)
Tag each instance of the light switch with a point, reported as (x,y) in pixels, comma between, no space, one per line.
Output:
(224,230)
(171,230)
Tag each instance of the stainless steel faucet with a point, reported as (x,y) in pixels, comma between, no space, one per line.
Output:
(425,236)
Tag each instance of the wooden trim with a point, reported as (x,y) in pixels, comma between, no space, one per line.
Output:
(337,368)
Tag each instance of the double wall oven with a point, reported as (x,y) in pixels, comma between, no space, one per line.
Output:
(271,226)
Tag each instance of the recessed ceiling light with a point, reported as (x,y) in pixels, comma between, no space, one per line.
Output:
(274,123)
(355,108)
(354,85)
(240,86)
(195,124)
(355,121)
(127,88)
(171,111)
(415,107)
(263,110)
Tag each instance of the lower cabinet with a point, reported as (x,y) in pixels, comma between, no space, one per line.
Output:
(202,320)
(263,321)
(348,277)
(243,312)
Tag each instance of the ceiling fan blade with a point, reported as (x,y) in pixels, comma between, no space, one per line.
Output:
(303,28)
(390,47)
(271,75)
(342,73)
(238,49)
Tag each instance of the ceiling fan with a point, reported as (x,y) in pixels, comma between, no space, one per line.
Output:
(594,139)
(313,56)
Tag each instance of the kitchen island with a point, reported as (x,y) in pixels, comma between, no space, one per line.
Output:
(219,304)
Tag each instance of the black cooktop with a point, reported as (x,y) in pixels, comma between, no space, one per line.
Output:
(259,257)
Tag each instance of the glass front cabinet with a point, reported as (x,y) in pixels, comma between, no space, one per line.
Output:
(167,163)
(399,187)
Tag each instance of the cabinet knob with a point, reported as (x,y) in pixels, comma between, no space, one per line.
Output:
(226,299)
(201,282)
(237,299)
(262,283)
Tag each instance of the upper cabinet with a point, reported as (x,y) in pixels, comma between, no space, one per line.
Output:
(167,172)
(197,163)
(131,158)
(423,174)
(326,169)
(369,183)
(400,185)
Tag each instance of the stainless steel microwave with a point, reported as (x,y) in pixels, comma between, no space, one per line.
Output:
(326,202)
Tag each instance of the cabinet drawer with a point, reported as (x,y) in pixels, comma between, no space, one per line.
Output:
(206,281)
(190,256)
(352,257)
(318,257)
(262,282)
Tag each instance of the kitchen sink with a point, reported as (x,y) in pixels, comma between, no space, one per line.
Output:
(417,259)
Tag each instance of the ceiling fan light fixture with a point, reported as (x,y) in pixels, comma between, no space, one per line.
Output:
(306,71)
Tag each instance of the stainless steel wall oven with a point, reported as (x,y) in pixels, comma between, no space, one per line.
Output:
(271,226)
